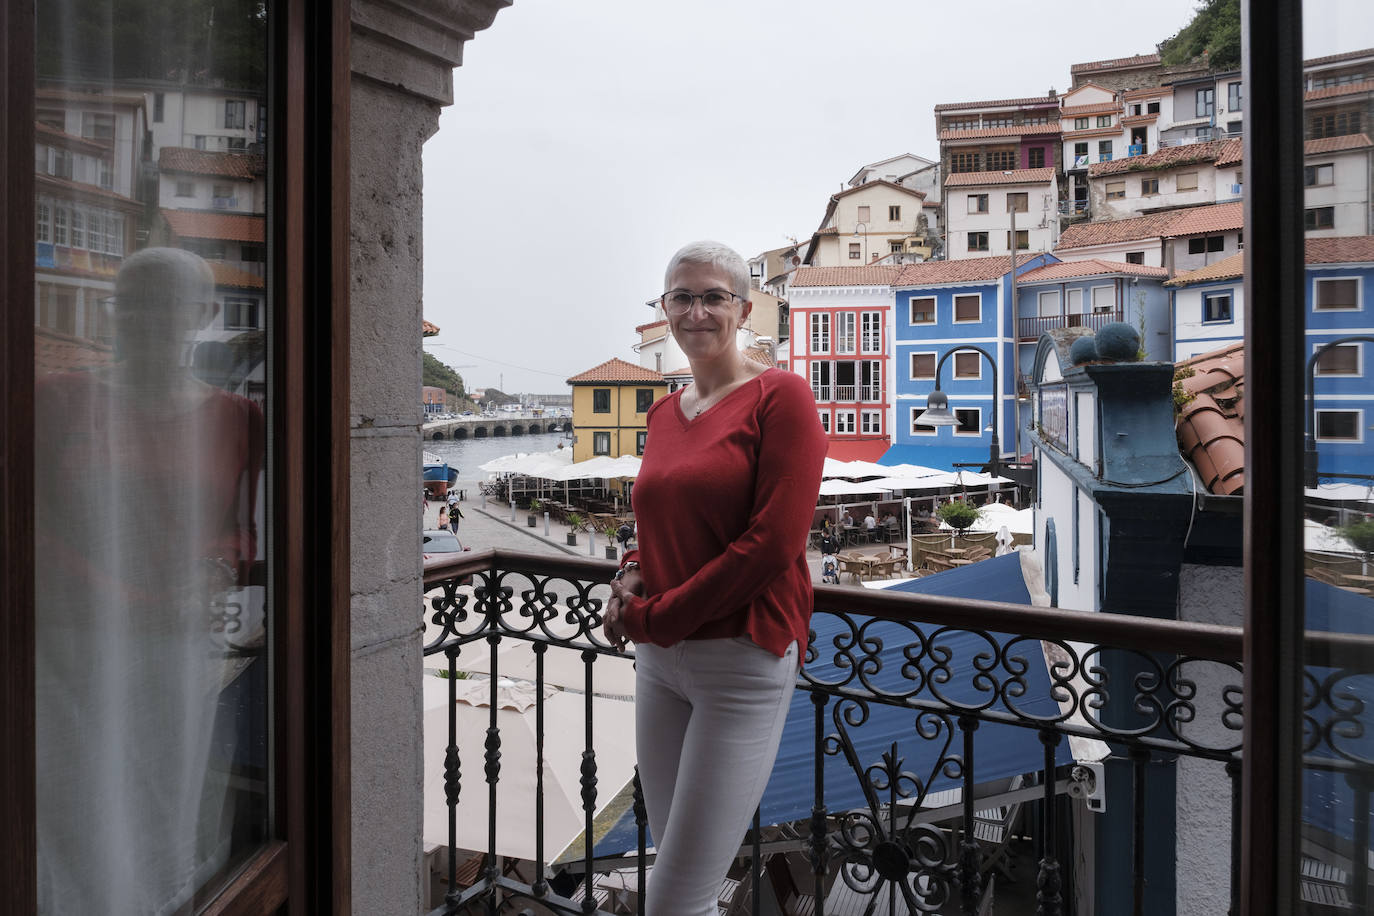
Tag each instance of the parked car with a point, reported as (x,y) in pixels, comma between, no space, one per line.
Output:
(437,545)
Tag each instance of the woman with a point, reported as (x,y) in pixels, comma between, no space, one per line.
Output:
(718,596)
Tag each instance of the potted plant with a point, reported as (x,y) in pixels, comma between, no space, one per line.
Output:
(609,529)
(533,518)
(576,523)
(957,514)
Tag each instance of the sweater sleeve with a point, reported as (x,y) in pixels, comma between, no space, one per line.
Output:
(787,478)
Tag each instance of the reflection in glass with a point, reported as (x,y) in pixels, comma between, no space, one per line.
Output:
(150,315)
(1338,732)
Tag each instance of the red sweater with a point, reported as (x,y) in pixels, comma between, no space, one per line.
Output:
(724,504)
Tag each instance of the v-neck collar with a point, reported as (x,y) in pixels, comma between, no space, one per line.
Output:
(687,421)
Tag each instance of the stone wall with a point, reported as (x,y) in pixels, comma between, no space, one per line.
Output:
(402,59)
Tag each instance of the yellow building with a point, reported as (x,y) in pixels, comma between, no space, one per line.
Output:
(610,407)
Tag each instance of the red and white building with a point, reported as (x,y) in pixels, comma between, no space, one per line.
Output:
(841,343)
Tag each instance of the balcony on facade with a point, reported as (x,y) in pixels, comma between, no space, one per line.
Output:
(1028,330)
(912,698)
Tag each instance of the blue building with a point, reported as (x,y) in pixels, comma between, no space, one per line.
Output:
(1340,304)
(1208,306)
(940,307)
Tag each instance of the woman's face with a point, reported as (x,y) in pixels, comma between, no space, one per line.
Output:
(703,334)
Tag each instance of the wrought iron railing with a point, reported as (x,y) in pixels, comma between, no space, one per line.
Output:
(1032,328)
(1148,692)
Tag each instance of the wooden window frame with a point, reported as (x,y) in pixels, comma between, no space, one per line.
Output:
(304,865)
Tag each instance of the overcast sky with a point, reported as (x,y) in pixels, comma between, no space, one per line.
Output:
(589,140)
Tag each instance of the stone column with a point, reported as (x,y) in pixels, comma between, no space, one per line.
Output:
(402,60)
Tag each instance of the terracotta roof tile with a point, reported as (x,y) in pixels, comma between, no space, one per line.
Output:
(1350,249)
(998,103)
(229,275)
(89,190)
(877,182)
(684,372)
(984,133)
(1225,269)
(1335,144)
(1115,63)
(1211,427)
(1092,267)
(233,227)
(69,141)
(616,370)
(873,275)
(1112,131)
(968,270)
(1233,153)
(1167,158)
(202,162)
(1187,221)
(1146,92)
(1336,58)
(428,328)
(640,329)
(760,356)
(1010,176)
(1069,111)
(54,351)
(1332,92)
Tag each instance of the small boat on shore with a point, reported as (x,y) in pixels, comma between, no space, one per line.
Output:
(439,475)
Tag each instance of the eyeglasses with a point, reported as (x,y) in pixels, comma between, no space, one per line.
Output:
(679,301)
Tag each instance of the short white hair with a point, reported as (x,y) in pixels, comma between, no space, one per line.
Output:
(715,254)
(165,277)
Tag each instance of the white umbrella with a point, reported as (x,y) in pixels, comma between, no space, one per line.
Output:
(626,466)
(1324,538)
(837,487)
(613,731)
(1342,492)
(592,468)
(936,481)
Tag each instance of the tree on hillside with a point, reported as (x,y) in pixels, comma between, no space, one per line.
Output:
(437,375)
(1215,31)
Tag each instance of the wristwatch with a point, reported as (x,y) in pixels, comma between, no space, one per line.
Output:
(620,573)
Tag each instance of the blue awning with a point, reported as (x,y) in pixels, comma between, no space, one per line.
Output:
(940,457)
(1000,751)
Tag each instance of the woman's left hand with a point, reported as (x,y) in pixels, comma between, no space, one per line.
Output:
(613,624)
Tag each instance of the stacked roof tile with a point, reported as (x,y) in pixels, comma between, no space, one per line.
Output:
(1189,221)
(1211,426)
(1225,269)
(985,133)
(233,227)
(1341,144)
(616,370)
(54,351)
(1332,92)
(1169,157)
(1115,63)
(428,328)
(229,275)
(968,270)
(873,275)
(1009,176)
(244,166)
(998,103)
(1092,267)
(1350,249)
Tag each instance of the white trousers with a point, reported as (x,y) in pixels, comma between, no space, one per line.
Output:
(708,717)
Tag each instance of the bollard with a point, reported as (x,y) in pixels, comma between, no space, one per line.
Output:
(591,542)
(484,499)
(512,508)
(546,524)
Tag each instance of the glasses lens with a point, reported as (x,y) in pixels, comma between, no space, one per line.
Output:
(715,299)
(677,302)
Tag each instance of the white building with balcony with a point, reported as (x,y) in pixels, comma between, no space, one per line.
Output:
(981,206)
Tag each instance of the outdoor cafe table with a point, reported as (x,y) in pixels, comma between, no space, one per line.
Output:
(1357,580)
(954,552)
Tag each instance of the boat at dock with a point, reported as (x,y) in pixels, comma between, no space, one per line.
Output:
(439,475)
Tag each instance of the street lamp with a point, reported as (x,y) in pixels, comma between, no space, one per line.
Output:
(856,235)
(937,411)
(1309,456)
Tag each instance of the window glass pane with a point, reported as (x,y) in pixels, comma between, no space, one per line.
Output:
(1338,502)
(150,448)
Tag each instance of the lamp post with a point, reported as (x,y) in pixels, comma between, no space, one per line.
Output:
(937,406)
(856,235)
(1309,457)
